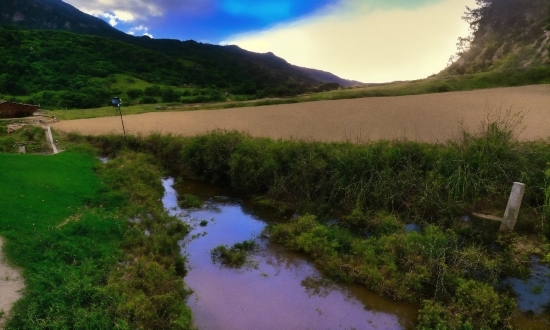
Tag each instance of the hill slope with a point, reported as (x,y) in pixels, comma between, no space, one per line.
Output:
(507,35)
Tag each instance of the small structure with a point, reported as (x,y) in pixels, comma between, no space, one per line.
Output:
(14,127)
(508,222)
(16,110)
(512,210)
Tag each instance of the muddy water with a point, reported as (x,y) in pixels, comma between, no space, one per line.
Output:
(280,289)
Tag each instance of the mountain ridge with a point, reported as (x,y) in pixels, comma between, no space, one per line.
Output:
(58,15)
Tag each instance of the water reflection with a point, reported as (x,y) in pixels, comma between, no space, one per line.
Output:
(533,294)
(283,291)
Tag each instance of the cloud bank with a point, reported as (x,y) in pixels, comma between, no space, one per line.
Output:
(368,41)
(137,13)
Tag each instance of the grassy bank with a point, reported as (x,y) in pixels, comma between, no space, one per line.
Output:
(66,223)
(373,190)
(32,137)
(64,248)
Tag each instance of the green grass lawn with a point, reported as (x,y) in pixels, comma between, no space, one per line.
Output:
(65,247)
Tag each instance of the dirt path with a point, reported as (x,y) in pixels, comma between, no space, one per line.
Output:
(11,285)
(429,118)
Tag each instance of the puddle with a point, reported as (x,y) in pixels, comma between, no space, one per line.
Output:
(533,294)
(413,227)
(104,160)
(532,297)
(283,290)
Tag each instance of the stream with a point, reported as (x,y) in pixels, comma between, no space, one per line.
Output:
(282,289)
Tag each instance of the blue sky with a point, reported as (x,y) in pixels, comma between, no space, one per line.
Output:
(366,40)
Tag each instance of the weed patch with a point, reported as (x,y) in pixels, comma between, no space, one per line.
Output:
(235,256)
(190,201)
(452,280)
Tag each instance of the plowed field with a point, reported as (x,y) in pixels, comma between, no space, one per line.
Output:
(429,117)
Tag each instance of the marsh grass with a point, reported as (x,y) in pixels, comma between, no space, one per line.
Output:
(432,267)
(235,256)
(432,183)
(190,201)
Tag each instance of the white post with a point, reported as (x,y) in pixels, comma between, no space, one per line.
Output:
(512,209)
(22,149)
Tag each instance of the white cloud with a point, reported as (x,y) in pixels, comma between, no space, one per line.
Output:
(130,10)
(356,42)
(141,29)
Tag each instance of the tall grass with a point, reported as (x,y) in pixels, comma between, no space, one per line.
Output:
(424,182)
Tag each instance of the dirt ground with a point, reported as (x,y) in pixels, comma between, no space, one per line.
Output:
(11,285)
(428,118)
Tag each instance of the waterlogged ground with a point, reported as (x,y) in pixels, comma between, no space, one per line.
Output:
(279,289)
(533,297)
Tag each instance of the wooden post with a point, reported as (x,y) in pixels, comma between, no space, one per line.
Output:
(512,209)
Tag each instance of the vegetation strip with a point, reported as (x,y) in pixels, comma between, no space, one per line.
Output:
(84,262)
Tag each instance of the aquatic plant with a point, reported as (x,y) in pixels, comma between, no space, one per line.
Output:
(234,256)
(190,201)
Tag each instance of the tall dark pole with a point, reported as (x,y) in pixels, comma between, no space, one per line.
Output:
(123,129)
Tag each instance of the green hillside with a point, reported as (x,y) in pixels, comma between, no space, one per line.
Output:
(60,69)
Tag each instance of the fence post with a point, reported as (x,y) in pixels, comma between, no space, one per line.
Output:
(512,209)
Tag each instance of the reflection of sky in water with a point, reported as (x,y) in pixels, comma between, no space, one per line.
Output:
(533,294)
(283,291)
(412,227)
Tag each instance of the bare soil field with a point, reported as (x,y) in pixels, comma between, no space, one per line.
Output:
(427,118)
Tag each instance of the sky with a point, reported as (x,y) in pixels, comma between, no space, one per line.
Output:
(365,40)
